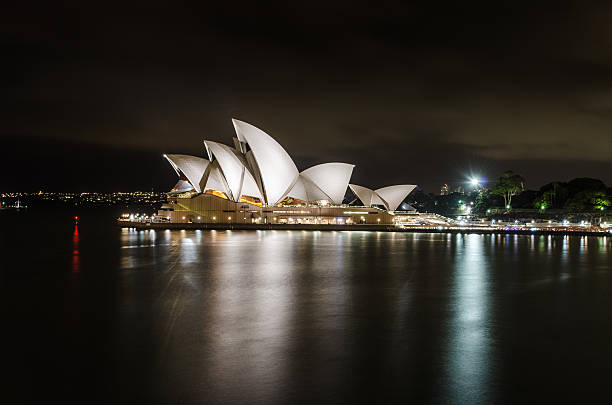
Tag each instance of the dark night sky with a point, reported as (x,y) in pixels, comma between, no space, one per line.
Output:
(423,93)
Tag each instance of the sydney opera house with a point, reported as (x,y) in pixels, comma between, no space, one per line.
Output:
(257,182)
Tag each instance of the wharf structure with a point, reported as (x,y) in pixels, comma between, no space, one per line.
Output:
(255,181)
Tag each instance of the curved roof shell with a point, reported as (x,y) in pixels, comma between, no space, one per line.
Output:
(180,187)
(230,165)
(213,179)
(391,197)
(249,186)
(364,194)
(394,195)
(239,179)
(277,170)
(330,178)
(299,190)
(378,200)
(306,190)
(192,167)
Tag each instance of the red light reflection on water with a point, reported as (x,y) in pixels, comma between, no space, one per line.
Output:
(76,264)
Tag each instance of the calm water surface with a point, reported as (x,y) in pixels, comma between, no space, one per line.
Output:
(100,314)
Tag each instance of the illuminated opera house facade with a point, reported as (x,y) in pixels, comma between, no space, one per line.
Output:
(257,182)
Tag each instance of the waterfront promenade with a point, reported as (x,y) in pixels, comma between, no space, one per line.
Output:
(513,230)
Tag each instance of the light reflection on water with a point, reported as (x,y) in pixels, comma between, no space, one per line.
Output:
(76,263)
(251,312)
(271,316)
(469,347)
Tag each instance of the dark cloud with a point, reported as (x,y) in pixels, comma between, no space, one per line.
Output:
(419,93)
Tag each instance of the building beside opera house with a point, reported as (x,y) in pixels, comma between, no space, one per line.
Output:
(255,181)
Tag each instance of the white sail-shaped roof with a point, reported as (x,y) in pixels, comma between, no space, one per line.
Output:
(363,193)
(192,167)
(331,178)
(394,195)
(249,186)
(327,181)
(239,179)
(214,180)
(277,170)
(230,164)
(313,192)
(391,197)
(254,170)
(378,200)
(182,186)
(299,190)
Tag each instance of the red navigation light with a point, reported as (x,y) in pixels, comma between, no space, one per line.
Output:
(76,218)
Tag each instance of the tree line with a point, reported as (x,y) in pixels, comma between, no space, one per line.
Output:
(508,193)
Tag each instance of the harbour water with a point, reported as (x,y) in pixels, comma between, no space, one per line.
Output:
(96,313)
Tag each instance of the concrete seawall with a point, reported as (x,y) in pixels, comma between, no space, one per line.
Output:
(253,227)
(364,227)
